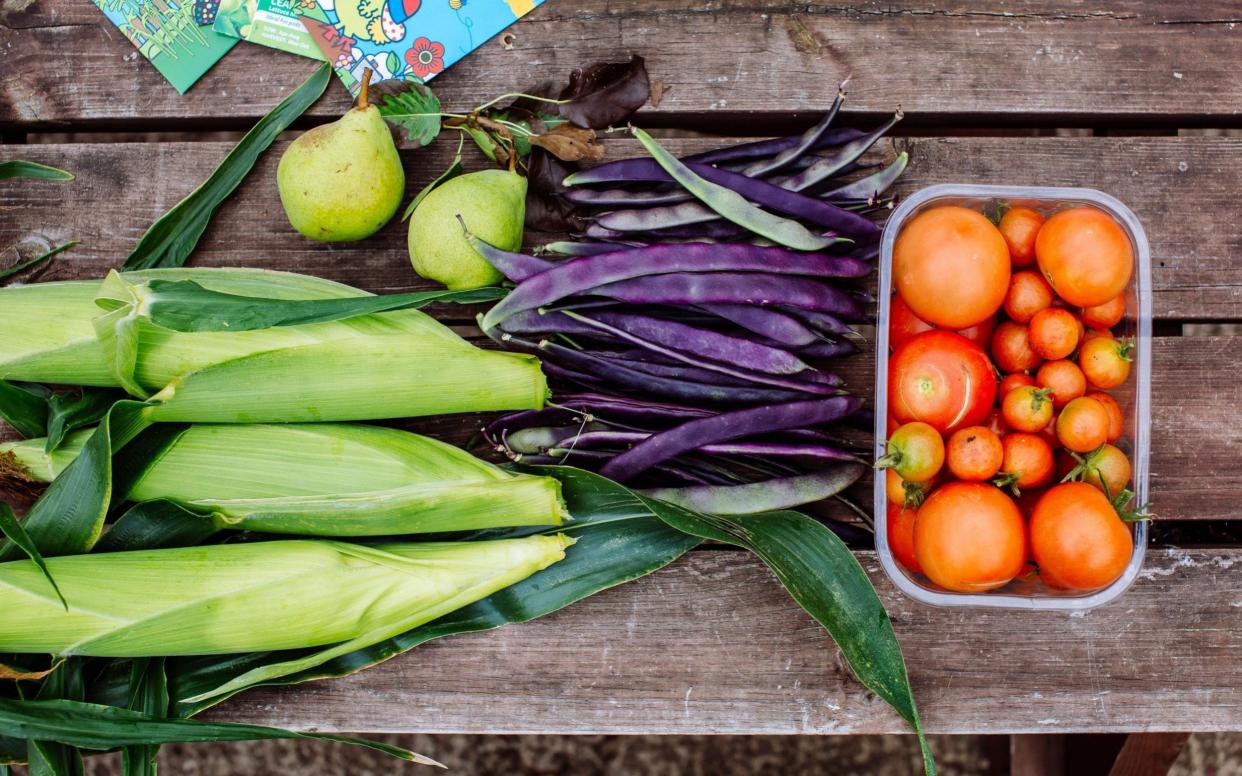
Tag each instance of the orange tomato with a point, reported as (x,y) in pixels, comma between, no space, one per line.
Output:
(1028,294)
(1107,469)
(1027,408)
(900,491)
(1028,460)
(1085,255)
(1090,334)
(1015,380)
(1107,315)
(974,453)
(904,325)
(1082,425)
(1077,538)
(942,379)
(900,531)
(970,537)
(1116,421)
(1064,379)
(1018,226)
(1053,333)
(1106,362)
(1011,349)
(915,452)
(951,265)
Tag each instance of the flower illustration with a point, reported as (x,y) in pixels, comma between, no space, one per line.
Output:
(425,57)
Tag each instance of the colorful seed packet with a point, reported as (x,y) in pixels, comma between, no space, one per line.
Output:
(413,40)
(273,23)
(175,35)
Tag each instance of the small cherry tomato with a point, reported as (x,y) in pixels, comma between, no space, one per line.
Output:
(1053,333)
(970,537)
(1116,420)
(1011,349)
(1085,255)
(1064,379)
(1028,461)
(942,379)
(1015,380)
(1077,538)
(900,491)
(1082,425)
(1018,226)
(1107,315)
(1028,294)
(1107,469)
(900,532)
(1027,408)
(1106,362)
(915,452)
(904,325)
(974,454)
(1090,334)
(952,266)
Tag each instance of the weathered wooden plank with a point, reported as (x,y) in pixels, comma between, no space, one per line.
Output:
(1171,184)
(1021,60)
(713,645)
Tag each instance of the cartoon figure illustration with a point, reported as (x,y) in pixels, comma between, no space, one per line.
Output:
(378,21)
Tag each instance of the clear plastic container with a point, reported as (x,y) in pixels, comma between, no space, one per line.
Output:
(1134,396)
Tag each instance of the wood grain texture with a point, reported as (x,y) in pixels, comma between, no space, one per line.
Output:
(1148,754)
(714,645)
(1171,183)
(1019,60)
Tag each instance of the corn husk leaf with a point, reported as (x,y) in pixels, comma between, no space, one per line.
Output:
(156,525)
(98,727)
(171,239)
(21,168)
(46,756)
(24,407)
(15,533)
(148,694)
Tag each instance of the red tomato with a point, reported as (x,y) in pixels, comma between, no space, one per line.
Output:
(1028,294)
(1064,379)
(900,532)
(1085,255)
(1116,420)
(951,265)
(1010,382)
(970,537)
(1107,315)
(1012,349)
(942,379)
(904,325)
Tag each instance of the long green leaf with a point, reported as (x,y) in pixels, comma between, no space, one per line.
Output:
(156,525)
(37,260)
(148,693)
(184,305)
(24,408)
(93,726)
(48,757)
(823,576)
(172,238)
(69,517)
(15,533)
(619,538)
(20,168)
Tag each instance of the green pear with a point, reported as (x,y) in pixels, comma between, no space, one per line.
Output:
(342,181)
(491,203)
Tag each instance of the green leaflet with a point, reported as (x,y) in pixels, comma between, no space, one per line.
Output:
(92,726)
(416,109)
(148,693)
(12,529)
(24,407)
(172,238)
(20,168)
(186,306)
(36,261)
(733,206)
(69,517)
(823,576)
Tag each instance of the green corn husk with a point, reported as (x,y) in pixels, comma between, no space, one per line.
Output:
(233,598)
(384,365)
(327,479)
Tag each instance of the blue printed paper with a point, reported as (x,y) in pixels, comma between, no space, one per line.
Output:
(404,39)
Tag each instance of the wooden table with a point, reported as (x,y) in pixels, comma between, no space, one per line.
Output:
(1139,98)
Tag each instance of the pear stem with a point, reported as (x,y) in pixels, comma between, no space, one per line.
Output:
(364,93)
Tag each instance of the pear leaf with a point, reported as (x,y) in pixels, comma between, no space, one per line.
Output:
(414,108)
